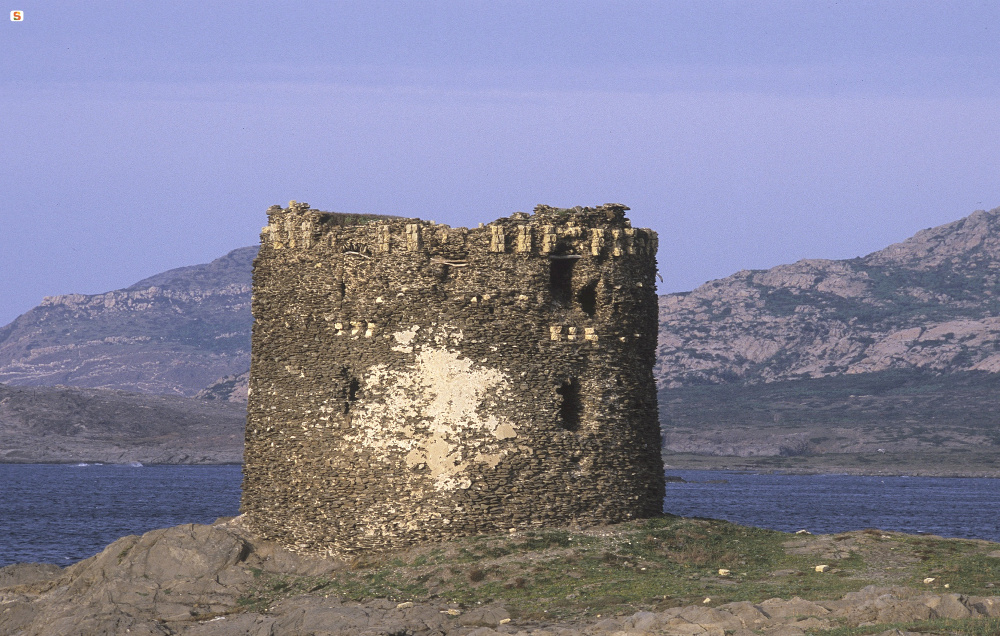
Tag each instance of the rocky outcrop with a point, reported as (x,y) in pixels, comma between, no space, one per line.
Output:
(929,302)
(135,584)
(62,424)
(232,388)
(792,617)
(194,580)
(190,579)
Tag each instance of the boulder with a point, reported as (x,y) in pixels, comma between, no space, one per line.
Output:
(948,606)
(489,616)
(796,607)
(138,583)
(985,606)
(27,573)
(750,615)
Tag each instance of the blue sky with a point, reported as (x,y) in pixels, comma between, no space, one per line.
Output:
(140,136)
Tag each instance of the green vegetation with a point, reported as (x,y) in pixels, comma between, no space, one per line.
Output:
(647,565)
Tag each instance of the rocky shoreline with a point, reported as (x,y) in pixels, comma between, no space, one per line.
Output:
(200,580)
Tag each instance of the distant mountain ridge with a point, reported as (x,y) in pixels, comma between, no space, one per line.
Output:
(173,333)
(184,332)
(930,302)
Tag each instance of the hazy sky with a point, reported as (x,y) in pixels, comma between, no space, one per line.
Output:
(140,136)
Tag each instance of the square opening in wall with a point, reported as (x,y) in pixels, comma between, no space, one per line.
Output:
(561,280)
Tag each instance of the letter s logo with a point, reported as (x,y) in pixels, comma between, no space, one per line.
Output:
(16,16)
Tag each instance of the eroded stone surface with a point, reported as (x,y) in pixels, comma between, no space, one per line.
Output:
(188,580)
(413,381)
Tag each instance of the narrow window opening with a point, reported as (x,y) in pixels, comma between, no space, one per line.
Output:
(587,297)
(561,280)
(571,406)
(343,289)
(353,393)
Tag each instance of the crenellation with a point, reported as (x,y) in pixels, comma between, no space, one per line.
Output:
(549,239)
(616,242)
(524,239)
(498,243)
(383,239)
(411,381)
(413,242)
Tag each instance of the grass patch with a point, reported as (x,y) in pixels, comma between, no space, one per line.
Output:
(648,565)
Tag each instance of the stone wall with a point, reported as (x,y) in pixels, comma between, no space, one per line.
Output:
(412,381)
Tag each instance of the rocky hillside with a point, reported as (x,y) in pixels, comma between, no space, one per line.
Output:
(175,332)
(183,332)
(930,302)
(61,424)
(232,388)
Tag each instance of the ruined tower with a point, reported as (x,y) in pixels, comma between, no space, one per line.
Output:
(412,381)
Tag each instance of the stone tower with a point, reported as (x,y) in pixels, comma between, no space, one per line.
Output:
(412,381)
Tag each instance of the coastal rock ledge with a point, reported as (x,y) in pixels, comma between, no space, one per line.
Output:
(194,580)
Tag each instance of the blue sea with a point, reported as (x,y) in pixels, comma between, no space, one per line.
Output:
(946,506)
(64,513)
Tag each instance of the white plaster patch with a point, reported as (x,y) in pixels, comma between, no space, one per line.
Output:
(504,431)
(490,460)
(448,334)
(447,401)
(405,338)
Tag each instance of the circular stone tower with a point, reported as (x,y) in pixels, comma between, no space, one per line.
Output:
(412,381)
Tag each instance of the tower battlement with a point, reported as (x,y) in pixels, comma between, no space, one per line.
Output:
(412,381)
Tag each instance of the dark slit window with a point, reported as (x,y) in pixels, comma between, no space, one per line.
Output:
(353,393)
(587,297)
(570,408)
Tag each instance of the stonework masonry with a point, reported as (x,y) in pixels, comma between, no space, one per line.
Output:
(413,382)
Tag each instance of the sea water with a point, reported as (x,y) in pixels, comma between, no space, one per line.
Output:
(945,506)
(63,513)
